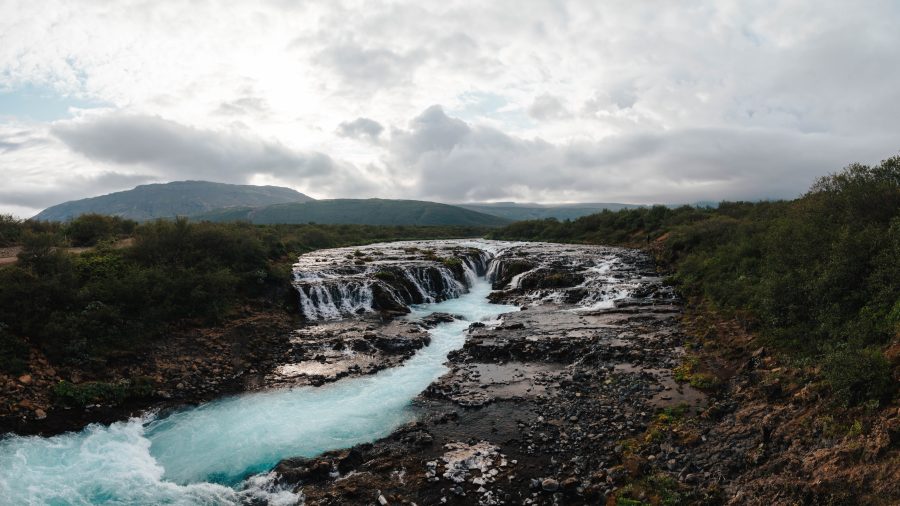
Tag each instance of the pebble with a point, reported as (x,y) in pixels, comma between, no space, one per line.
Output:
(549,485)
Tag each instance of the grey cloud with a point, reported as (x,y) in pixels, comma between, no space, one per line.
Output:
(70,188)
(456,161)
(242,106)
(180,151)
(9,146)
(361,128)
(19,139)
(362,67)
(546,107)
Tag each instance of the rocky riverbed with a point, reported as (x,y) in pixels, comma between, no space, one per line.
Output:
(537,409)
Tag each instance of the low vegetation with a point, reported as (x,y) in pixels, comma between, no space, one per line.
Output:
(817,277)
(99,392)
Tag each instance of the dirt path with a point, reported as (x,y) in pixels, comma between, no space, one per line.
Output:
(9,255)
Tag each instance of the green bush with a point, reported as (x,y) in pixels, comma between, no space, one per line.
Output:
(858,375)
(11,230)
(13,352)
(90,229)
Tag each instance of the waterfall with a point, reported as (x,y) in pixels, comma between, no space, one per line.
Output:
(424,292)
(344,282)
(471,271)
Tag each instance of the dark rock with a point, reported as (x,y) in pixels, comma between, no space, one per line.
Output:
(549,485)
(435,318)
(550,279)
(383,300)
(302,470)
(350,461)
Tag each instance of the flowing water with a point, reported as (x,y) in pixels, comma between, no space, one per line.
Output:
(203,455)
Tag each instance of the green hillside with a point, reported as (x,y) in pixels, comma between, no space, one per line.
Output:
(178,198)
(519,212)
(357,211)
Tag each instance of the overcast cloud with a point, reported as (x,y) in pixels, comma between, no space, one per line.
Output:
(562,101)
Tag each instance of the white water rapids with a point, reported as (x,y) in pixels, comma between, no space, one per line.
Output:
(203,455)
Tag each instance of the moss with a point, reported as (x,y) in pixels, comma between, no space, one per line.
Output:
(658,489)
(99,392)
(386,276)
(624,501)
(687,373)
(452,262)
(704,381)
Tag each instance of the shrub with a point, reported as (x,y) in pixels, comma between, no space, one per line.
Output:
(10,230)
(89,229)
(13,352)
(858,375)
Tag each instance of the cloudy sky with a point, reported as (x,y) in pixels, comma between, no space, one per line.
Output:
(562,101)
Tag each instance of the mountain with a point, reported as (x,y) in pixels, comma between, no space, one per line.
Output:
(358,211)
(517,212)
(178,198)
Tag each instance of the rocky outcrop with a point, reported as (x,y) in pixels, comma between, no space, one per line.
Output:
(590,276)
(384,278)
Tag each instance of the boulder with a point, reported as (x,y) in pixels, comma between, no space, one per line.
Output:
(303,470)
(549,485)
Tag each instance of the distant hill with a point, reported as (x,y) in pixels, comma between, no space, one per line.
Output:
(517,212)
(178,198)
(358,211)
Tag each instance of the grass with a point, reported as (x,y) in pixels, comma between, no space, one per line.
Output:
(687,373)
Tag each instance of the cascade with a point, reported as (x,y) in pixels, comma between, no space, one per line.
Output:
(333,291)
